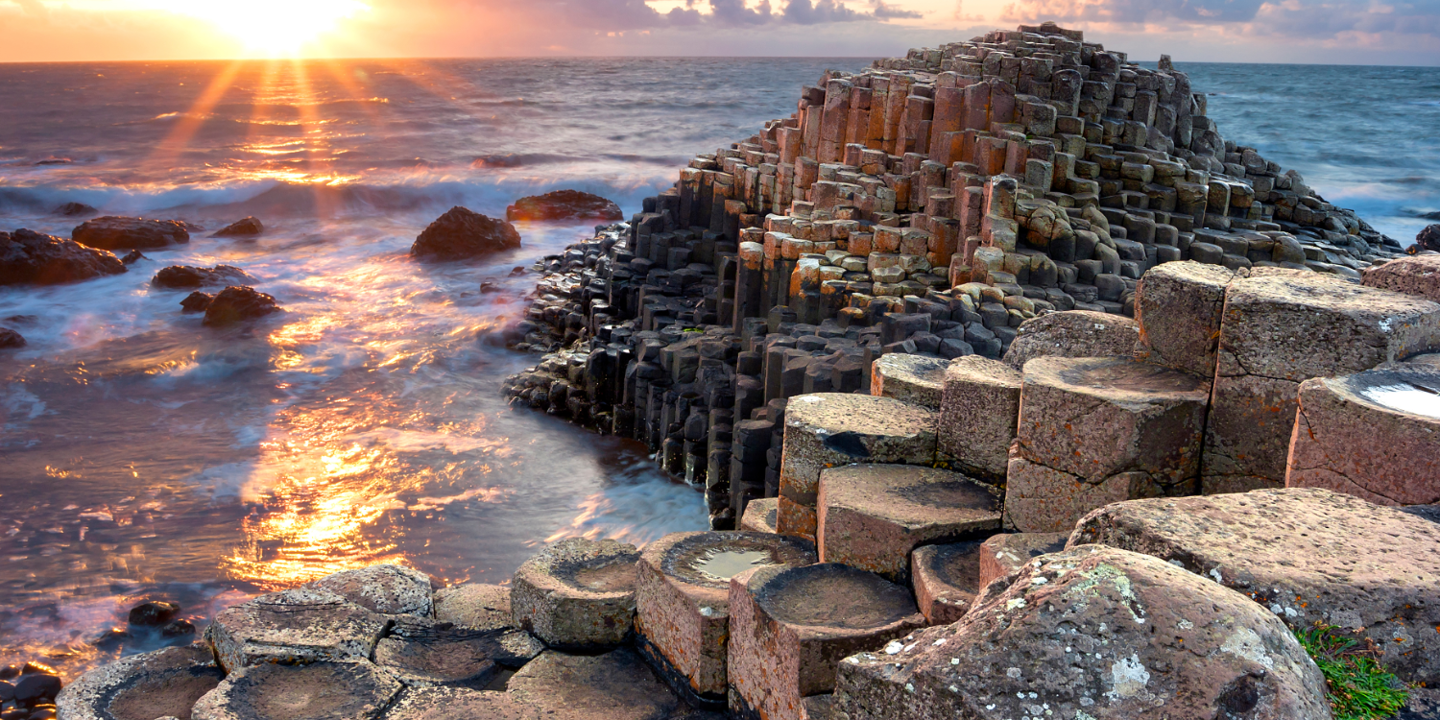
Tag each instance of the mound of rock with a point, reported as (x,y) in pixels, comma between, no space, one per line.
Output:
(248,227)
(187,276)
(126,233)
(9,339)
(74,209)
(564,205)
(1427,239)
(461,233)
(1093,632)
(31,258)
(238,304)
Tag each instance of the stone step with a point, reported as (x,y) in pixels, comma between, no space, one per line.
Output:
(1099,430)
(300,625)
(1340,420)
(791,626)
(614,686)
(329,690)
(946,579)
(830,429)
(978,414)
(1073,333)
(914,379)
(476,606)
(760,515)
(577,594)
(873,516)
(682,603)
(1179,306)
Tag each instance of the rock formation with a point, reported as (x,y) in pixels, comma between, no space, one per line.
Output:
(249,227)
(234,304)
(564,205)
(186,276)
(31,258)
(125,233)
(461,233)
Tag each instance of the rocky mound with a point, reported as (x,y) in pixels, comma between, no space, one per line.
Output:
(461,233)
(233,305)
(125,233)
(564,205)
(250,226)
(74,209)
(31,258)
(9,339)
(187,276)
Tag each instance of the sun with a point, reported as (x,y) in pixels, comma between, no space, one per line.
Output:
(270,28)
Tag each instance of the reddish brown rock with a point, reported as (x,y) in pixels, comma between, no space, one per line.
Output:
(1178,306)
(247,227)
(31,258)
(462,233)
(124,233)
(1074,333)
(978,415)
(1412,275)
(760,515)
(946,579)
(1004,554)
(577,594)
(186,276)
(564,205)
(790,627)
(613,686)
(914,379)
(238,304)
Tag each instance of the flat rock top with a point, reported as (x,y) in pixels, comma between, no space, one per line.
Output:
(1192,272)
(913,369)
(1396,387)
(860,414)
(591,567)
(1324,292)
(1073,332)
(911,493)
(452,703)
(318,691)
(982,370)
(615,686)
(954,564)
(387,589)
(710,559)
(142,687)
(1113,378)
(474,605)
(830,595)
(1312,542)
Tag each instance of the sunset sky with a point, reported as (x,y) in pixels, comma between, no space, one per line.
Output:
(1401,32)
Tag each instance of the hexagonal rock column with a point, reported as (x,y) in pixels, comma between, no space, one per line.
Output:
(449,703)
(830,429)
(1073,333)
(1099,430)
(978,414)
(873,516)
(156,684)
(760,515)
(317,691)
(1279,330)
(577,594)
(300,625)
(791,626)
(1414,275)
(1306,554)
(1005,554)
(914,379)
(1093,632)
(682,603)
(613,686)
(946,579)
(422,653)
(1374,435)
(474,605)
(1178,306)
(387,589)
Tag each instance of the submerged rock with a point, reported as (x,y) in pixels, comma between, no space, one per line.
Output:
(461,233)
(242,228)
(9,339)
(196,302)
(28,257)
(133,257)
(124,233)
(564,205)
(75,209)
(153,614)
(186,276)
(237,304)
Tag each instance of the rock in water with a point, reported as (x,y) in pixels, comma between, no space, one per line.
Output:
(153,614)
(122,233)
(186,276)
(28,257)
(133,257)
(75,209)
(564,205)
(462,233)
(1093,632)
(236,304)
(250,226)
(1428,239)
(196,302)
(10,339)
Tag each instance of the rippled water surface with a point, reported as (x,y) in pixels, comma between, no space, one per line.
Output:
(145,456)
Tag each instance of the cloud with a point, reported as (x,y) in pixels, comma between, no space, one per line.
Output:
(1321,20)
(617,15)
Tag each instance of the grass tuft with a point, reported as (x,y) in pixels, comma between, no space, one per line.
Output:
(1357,686)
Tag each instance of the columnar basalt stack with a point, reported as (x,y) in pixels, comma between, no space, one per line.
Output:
(928,205)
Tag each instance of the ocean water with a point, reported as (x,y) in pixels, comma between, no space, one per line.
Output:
(145,456)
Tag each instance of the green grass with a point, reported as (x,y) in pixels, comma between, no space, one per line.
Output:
(1358,687)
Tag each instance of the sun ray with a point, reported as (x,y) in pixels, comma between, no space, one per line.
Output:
(168,151)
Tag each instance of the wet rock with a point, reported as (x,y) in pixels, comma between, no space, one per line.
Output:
(790,627)
(873,516)
(682,602)
(125,233)
(132,257)
(142,687)
(9,339)
(760,515)
(196,302)
(74,209)
(301,625)
(317,691)
(248,227)
(829,429)
(186,276)
(421,653)
(1307,555)
(1428,239)
(238,304)
(474,605)
(1074,333)
(31,258)
(978,413)
(914,379)
(946,579)
(1178,306)
(577,593)
(1004,554)
(1093,632)
(7,692)
(613,686)
(153,613)
(385,589)
(462,233)
(31,690)
(564,205)
(177,629)
(451,703)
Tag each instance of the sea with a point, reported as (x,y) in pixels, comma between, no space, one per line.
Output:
(144,456)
